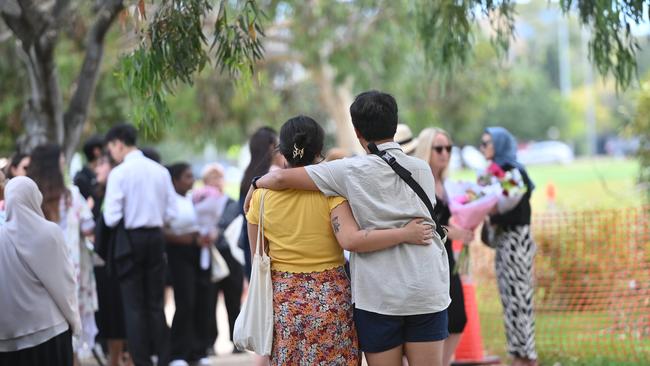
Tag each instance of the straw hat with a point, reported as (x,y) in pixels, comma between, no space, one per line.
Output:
(404,137)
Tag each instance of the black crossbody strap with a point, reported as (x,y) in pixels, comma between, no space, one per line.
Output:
(408,178)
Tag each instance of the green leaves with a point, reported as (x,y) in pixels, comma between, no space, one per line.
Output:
(612,47)
(446,29)
(238,40)
(174,48)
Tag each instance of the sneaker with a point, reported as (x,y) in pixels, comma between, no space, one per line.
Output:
(204,362)
(179,363)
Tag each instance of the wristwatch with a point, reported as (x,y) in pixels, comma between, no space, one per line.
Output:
(254,181)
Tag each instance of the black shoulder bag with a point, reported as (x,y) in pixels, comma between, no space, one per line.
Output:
(408,178)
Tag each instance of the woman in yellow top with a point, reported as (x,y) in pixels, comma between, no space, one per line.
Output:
(311,291)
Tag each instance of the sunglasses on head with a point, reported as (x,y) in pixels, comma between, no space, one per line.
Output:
(439,149)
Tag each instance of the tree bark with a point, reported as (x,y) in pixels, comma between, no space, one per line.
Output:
(36,30)
(337,100)
(42,114)
(75,117)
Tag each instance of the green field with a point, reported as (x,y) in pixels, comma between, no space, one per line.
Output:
(567,339)
(583,184)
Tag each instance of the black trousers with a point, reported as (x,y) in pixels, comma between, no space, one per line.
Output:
(193,292)
(142,289)
(56,351)
(232,287)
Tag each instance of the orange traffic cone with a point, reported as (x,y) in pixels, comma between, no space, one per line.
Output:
(470,348)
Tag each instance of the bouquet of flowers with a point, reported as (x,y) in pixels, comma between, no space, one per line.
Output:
(469,203)
(511,181)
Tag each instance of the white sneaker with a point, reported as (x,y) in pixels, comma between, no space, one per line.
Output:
(205,361)
(179,363)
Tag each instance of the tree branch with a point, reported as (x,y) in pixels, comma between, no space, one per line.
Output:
(19,27)
(75,116)
(59,10)
(32,15)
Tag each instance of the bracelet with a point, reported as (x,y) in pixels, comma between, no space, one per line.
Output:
(254,181)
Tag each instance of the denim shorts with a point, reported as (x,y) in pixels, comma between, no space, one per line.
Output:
(379,333)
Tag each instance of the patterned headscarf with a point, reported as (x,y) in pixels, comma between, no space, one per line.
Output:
(505,149)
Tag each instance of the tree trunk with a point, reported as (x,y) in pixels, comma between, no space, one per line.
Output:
(337,99)
(75,116)
(43,111)
(37,30)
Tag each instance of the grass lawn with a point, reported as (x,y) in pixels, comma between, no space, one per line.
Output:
(571,338)
(583,184)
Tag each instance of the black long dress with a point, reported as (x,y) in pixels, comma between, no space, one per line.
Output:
(456,310)
(57,351)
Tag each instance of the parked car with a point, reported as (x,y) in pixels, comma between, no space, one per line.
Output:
(545,152)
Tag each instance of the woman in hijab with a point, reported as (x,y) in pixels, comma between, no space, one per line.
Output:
(515,249)
(38,318)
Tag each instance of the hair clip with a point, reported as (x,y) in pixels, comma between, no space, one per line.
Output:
(298,152)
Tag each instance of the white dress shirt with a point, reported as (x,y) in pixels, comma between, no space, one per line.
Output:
(140,191)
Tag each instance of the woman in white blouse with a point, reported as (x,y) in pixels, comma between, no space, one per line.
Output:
(189,266)
(39,300)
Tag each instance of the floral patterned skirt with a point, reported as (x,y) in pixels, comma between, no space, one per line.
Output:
(312,317)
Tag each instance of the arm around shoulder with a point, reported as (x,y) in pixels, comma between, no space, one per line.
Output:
(294,178)
(352,238)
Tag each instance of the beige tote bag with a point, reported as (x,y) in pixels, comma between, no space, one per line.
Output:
(254,325)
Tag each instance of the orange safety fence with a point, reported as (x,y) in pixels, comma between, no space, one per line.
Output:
(592,297)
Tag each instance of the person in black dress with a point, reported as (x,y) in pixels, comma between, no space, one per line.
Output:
(434,147)
(110,316)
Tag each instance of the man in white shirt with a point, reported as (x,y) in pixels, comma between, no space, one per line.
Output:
(400,294)
(140,195)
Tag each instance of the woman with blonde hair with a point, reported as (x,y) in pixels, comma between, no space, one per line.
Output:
(434,146)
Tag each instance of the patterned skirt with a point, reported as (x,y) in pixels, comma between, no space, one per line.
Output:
(312,317)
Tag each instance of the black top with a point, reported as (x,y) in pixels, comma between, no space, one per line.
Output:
(441,212)
(520,214)
(86,181)
(441,217)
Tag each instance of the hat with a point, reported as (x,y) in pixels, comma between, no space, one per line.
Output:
(404,137)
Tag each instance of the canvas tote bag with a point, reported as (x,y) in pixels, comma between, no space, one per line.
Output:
(220,269)
(254,325)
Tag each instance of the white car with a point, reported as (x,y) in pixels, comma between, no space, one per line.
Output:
(545,152)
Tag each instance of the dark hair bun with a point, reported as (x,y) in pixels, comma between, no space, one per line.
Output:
(301,140)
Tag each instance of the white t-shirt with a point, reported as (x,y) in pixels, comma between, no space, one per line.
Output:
(185,220)
(405,279)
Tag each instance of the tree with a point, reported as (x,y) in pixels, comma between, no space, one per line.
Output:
(641,128)
(37,27)
(173,42)
(173,46)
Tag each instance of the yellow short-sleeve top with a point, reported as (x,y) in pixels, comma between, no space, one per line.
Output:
(297,227)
